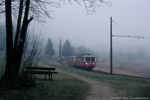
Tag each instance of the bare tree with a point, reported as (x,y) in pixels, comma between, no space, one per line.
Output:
(2,3)
(32,50)
(25,11)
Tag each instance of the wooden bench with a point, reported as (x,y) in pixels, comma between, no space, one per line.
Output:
(41,70)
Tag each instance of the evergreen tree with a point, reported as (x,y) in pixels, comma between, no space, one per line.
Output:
(67,49)
(49,50)
(84,50)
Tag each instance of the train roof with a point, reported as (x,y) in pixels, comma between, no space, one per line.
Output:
(84,55)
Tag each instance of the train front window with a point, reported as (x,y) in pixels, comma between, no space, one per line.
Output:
(92,59)
(74,59)
(82,59)
(87,59)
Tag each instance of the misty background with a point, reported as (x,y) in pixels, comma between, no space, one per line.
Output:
(130,18)
(72,22)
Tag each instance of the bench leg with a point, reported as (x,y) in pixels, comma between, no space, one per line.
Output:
(34,76)
(45,76)
(51,77)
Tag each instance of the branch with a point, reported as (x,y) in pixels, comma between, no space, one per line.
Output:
(52,3)
(2,3)
(91,5)
(42,8)
(2,11)
(29,20)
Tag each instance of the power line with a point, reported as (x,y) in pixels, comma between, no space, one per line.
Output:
(111,52)
(125,30)
(138,37)
(60,52)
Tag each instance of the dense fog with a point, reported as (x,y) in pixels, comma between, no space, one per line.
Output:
(92,30)
(130,18)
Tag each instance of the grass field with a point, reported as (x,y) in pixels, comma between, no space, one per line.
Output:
(66,87)
(132,87)
(137,68)
(63,87)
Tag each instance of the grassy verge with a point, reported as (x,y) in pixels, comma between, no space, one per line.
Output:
(133,87)
(63,87)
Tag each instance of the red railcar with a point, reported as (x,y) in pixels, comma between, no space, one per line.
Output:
(83,61)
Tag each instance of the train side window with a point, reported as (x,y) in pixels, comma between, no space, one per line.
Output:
(87,59)
(80,59)
(84,59)
(77,59)
(92,59)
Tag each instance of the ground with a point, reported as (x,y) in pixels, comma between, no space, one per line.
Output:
(98,90)
(74,84)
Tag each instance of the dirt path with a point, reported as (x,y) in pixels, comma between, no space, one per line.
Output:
(98,91)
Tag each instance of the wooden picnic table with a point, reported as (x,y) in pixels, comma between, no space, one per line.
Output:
(41,70)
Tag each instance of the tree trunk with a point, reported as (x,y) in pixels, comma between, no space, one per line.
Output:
(14,55)
(18,27)
(22,38)
(17,37)
(8,74)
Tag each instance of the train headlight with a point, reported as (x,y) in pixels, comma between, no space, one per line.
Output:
(94,63)
(86,63)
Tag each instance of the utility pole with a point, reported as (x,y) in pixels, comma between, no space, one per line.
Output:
(60,51)
(111,59)
(111,49)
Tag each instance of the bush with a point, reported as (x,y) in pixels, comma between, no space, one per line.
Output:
(23,81)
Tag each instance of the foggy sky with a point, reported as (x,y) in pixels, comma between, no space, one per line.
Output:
(72,22)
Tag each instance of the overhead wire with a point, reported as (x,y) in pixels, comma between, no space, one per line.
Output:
(124,29)
(120,42)
(121,28)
